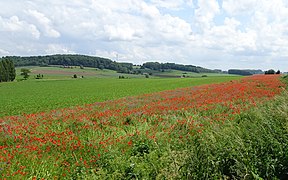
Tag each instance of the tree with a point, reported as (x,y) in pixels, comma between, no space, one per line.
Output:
(278,72)
(11,70)
(25,73)
(270,71)
(1,71)
(5,73)
(7,70)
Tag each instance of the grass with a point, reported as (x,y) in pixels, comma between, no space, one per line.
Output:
(253,146)
(55,73)
(233,130)
(189,74)
(42,95)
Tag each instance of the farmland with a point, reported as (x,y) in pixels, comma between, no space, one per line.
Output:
(60,90)
(232,129)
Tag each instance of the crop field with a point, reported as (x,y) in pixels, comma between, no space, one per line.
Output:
(178,73)
(57,73)
(41,95)
(231,130)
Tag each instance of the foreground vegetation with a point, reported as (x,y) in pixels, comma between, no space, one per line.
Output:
(235,130)
(42,95)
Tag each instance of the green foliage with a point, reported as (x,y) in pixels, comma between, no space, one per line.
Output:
(162,66)
(7,70)
(25,73)
(39,76)
(72,60)
(253,146)
(239,72)
(271,71)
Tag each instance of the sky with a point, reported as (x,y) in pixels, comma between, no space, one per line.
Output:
(216,34)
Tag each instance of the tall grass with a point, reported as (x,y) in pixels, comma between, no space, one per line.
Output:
(178,144)
(252,146)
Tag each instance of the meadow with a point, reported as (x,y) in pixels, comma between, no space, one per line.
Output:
(230,130)
(60,90)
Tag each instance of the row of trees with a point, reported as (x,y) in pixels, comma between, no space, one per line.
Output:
(72,60)
(271,71)
(7,70)
(162,66)
(239,72)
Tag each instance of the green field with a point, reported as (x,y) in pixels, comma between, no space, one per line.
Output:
(178,73)
(41,95)
(56,73)
(232,130)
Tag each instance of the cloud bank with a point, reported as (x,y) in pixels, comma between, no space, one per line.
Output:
(215,34)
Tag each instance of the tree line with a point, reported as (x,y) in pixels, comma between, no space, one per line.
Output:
(239,72)
(248,72)
(101,63)
(162,66)
(72,60)
(7,70)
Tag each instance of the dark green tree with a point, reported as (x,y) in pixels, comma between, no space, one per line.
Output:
(278,72)
(270,71)
(11,70)
(1,71)
(5,72)
(25,73)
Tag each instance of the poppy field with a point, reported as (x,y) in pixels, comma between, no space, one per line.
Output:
(40,95)
(234,129)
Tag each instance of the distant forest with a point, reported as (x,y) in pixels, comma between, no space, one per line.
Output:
(245,72)
(72,60)
(163,66)
(101,63)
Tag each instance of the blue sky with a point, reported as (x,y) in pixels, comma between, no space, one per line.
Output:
(217,34)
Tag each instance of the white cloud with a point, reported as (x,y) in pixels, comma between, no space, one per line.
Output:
(44,24)
(58,49)
(14,25)
(169,4)
(212,33)
(4,53)
(244,7)
(205,13)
